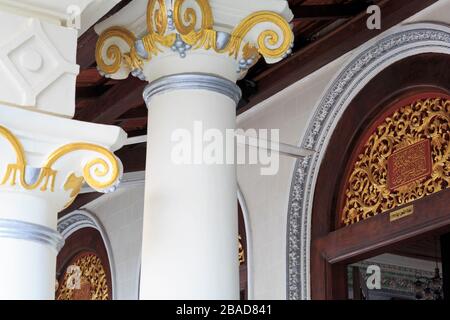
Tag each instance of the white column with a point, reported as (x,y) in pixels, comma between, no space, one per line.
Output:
(190,228)
(45,156)
(27,269)
(190,236)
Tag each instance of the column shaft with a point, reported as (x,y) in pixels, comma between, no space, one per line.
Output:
(190,216)
(28,263)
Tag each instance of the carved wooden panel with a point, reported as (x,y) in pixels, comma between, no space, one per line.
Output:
(393,167)
(409,164)
(84,279)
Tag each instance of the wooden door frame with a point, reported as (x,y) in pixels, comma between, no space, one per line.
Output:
(333,247)
(372,237)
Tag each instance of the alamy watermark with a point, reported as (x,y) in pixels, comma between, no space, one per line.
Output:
(373,281)
(216,147)
(374,20)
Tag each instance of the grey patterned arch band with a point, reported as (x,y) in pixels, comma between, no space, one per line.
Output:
(200,81)
(14,229)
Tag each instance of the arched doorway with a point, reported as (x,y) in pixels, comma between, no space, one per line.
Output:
(84,270)
(354,212)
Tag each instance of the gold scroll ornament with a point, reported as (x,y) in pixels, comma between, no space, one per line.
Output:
(93,170)
(196,31)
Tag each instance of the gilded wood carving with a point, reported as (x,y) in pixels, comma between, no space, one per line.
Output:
(417,126)
(84,279)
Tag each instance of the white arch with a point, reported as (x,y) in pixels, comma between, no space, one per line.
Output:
(80,219)
(396,44)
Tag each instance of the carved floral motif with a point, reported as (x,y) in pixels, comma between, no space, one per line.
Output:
(92,283)
(368,192)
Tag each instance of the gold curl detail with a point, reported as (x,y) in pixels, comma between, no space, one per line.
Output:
(114,53)
(18,168)
(15,144)
(97,163)
(267,37)
(190,17)
(157,19)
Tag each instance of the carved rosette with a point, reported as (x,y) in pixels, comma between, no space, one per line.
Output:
(368,191)
(182,26)
(63,172)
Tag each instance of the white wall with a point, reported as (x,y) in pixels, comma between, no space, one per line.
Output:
(120,213)
(267,197)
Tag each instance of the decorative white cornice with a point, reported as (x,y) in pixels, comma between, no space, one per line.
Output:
(376,55)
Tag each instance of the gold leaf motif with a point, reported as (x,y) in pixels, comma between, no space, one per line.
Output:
(93,282)
(114,53)
(73,183)
(367,191)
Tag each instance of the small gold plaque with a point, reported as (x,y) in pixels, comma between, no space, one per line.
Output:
(402,213)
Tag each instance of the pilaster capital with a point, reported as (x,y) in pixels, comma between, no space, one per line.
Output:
(222,37)
(46,160)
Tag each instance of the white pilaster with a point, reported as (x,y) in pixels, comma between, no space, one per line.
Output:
(46,157)
(190,238)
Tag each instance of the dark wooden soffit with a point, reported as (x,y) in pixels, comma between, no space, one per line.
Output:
(316,55)
(79,202)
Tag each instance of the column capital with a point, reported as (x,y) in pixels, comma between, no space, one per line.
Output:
(46,160)
(157,38)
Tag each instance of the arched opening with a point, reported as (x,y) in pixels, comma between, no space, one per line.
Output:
(83,270)
(352,212)
(243,256)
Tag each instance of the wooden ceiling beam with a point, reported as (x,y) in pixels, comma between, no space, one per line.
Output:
(333,45)
(132,124)
(80,201)
(124,96)
(89,77)
(329,11)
